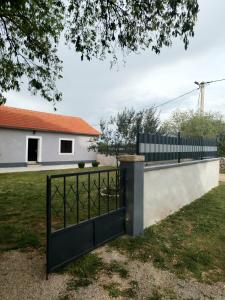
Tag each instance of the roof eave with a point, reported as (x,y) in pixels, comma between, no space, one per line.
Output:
(54,131)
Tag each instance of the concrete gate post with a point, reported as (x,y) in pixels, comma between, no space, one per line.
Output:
(133,167)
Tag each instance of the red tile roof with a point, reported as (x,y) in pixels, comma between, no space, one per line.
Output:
(17,118)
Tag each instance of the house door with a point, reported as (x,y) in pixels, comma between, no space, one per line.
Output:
(32,149)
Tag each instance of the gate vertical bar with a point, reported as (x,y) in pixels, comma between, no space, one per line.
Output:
(77,192)
(48,223)
(64,201)
(99,194)
(116,188)
(89,196)
(108,191)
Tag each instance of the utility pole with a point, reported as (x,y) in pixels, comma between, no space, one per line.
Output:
(202,98)
(201,86)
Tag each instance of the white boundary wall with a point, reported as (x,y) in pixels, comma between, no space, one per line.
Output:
(168,188)
(106,160)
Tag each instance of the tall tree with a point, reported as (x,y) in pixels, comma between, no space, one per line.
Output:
(118,134)
(190,123)
(31,29)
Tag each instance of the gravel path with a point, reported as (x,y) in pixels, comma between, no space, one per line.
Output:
(222,177)
(151,278)
(36,167)
(22,276)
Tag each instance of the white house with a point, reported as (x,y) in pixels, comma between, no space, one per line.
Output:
(31,137)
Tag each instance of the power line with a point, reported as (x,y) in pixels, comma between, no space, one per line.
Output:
(201,86)
(215,80)
(181,96)
(187,93)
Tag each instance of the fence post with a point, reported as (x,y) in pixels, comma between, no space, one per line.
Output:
(179,154)
(202,148)
(138,140)
(133,167)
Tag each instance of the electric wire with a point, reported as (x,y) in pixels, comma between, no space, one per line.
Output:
(177,98)
(217,80)
(187,93)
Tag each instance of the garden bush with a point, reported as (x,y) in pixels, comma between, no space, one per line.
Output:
(81,164)
(95,164)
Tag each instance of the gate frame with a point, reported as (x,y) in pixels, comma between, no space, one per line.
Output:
(93,220)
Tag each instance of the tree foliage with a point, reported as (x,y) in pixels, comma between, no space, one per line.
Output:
(100,27)
(29,35)
(118,134)
(31,29)
(190,123)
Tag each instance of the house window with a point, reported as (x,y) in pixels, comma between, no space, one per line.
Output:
(66,146)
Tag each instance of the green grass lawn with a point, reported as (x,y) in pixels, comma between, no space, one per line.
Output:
(190,242)
(23,206)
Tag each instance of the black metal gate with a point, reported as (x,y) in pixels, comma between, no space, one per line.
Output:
(84,210)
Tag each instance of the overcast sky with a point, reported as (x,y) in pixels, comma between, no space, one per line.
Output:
(93,91)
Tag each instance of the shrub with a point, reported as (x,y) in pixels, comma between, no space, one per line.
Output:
(95,164)
(81,164)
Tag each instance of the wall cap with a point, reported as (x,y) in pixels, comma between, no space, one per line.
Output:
(176,165)
(131,158)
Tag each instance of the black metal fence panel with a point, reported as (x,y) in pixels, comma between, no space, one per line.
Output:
(117,149)
(158,147)
(84,210)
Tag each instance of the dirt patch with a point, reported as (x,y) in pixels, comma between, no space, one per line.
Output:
(109,255)
(22,276)
(150,280)
(222,178)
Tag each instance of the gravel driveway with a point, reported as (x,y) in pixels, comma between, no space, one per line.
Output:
(22,276)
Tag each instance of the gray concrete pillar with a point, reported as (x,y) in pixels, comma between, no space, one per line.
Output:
(133,168)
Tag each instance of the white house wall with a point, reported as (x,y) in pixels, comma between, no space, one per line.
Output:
(13,147)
